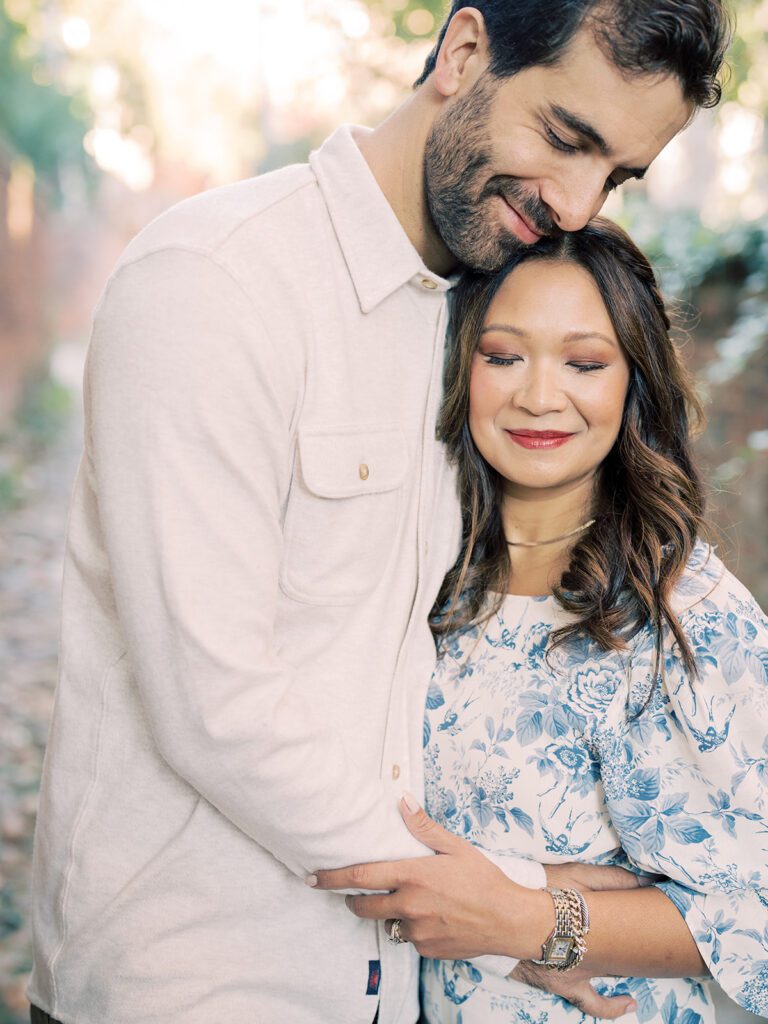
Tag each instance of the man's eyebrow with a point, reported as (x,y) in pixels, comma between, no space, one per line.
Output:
(588,131)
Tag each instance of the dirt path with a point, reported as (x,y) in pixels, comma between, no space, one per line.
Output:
(31,549)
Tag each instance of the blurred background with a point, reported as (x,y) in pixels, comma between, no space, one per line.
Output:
(111,110)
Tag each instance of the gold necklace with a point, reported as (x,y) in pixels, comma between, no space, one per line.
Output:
(552,540)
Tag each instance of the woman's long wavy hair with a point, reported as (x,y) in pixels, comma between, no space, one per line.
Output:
(648,502)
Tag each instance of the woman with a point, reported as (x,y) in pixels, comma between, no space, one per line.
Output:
(602,685)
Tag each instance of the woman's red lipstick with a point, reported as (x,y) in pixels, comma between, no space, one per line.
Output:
(539,438)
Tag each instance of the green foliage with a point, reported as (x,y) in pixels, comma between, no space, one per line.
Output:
(748,52)
(37,119)
(45,409)
(44,413)
(686,255)
(400,12)
(686,252)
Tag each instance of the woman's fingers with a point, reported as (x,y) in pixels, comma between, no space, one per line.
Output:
(426,830)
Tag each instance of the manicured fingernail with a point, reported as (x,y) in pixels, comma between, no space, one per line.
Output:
(311,881)
(631,1007)
(411,802)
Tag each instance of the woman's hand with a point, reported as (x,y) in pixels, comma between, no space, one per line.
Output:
(455,906)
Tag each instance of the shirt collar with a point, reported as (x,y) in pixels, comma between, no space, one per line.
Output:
(380,256)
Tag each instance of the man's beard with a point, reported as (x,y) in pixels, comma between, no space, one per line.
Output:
(459,199)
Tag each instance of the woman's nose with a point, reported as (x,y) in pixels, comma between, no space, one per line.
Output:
(540,392)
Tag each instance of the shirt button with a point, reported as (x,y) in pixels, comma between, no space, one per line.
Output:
(364,471)
(427,282)
(395,772)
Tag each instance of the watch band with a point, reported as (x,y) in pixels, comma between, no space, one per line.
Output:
(566,945)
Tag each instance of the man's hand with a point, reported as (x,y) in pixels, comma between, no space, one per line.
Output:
(574,986)
(593,877)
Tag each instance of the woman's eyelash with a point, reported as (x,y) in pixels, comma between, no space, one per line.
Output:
(588,367)
(494,360)
(501,360)
(558,143)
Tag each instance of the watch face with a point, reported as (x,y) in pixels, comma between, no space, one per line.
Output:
(560,948)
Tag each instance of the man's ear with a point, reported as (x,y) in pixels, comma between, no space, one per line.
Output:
(463,53)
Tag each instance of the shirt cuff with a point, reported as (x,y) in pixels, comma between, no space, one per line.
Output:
(528,873)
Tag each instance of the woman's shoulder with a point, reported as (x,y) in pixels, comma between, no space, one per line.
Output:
(706,586)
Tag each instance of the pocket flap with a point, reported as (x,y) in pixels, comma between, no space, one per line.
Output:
(343,464)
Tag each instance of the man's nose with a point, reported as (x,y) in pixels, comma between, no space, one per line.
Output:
(573,201)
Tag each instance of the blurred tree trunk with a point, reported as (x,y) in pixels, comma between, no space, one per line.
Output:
(24,272)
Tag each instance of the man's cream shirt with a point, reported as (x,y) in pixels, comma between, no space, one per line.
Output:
(260,524)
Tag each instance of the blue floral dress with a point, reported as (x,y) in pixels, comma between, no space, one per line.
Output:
(551,757)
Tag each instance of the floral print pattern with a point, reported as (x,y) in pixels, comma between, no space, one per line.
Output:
(575,754)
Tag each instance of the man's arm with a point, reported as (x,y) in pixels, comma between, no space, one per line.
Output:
(189,420)
(189,417)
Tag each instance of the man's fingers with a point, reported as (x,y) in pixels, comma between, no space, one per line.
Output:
(595,877)
(381,877)
(374,908)
(643,881)
(425,829)
(584,998)
(578,992)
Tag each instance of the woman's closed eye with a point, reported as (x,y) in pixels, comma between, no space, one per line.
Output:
(587,367)
(493,359)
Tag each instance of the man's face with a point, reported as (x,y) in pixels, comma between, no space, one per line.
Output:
(510,160)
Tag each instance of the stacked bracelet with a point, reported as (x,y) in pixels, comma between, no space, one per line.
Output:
(566,946)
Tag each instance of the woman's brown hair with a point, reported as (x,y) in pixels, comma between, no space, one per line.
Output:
(648,503)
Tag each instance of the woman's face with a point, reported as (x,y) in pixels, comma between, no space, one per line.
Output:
(549,380)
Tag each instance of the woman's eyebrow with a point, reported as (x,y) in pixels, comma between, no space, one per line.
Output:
(588,336)
(507,328)
(568,338)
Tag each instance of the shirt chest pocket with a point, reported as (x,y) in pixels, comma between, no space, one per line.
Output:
(344,513)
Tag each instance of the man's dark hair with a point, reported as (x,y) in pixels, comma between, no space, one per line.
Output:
(684,38)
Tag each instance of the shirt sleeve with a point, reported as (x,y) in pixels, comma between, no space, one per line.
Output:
(190,406)
(189,409)
(694,800)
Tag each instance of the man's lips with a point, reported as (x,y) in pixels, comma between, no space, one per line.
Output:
(539,438)
(520,225)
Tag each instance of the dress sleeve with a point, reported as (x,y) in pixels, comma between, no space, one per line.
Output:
(692,799)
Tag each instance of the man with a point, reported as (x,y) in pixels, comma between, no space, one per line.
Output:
(263,517)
